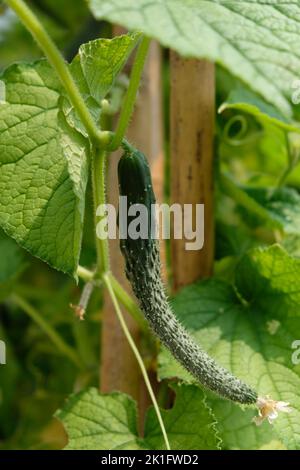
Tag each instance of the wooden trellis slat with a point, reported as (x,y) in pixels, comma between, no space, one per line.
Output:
(192,135)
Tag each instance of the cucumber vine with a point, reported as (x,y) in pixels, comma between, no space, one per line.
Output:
(142,256)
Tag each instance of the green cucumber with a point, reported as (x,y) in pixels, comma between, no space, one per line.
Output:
(143,269)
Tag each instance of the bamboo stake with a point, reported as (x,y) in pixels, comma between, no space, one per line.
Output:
(192,134)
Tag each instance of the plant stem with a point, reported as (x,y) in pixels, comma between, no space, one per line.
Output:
(123,297)
(32,23)
(107,281)
(128,302)
(292,162)
(130,97)
(63,347)
(85,274)
(98,183)
(236,193)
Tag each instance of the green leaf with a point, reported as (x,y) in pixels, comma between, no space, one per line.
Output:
(248,102)
(292,245)
(43,168)
(237,431)
(190,424)
(94,421)
(95,69)
(99,422)
(263,154)
(247,330)
(269,279)
(283,206)
(255,40)
(231,240)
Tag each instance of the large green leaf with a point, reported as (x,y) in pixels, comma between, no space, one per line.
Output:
(100,422)
(270,280)
(190,424)
(257,40)
(95,69)
(43,168)
(246,329)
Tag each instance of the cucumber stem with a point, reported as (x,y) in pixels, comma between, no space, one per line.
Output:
(99,196)
(130,97)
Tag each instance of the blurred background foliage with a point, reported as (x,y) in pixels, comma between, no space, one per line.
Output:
(35,300)
(38,375)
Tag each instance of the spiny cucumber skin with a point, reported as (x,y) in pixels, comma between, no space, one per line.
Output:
(143,270)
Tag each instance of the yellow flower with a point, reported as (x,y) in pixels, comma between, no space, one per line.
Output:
(268,409)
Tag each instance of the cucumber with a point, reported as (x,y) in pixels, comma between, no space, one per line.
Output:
(143,270)
(135,183)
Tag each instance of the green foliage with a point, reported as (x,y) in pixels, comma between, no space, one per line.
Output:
(246,101)
(95,69)
(246,317)
(255,40)
(37,377)
(44,168)
(95,421)
(249,328)
(12,265)
(283,206)
(16,43)
(53,158)
(190,423)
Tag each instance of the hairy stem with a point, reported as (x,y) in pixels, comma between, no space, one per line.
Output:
(57,340)
(128,302)
(107,281)
(98,183)
(130,98)
(85,274)
(55,58)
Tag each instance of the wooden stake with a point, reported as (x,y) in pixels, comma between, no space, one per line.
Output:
(192,134)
